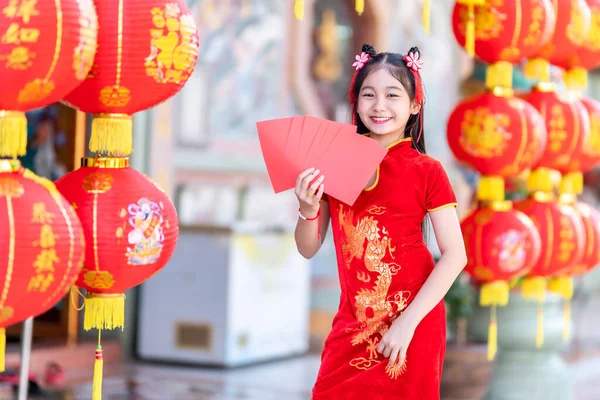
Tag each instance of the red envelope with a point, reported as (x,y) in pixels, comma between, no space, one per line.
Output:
(273,136)
(347,159)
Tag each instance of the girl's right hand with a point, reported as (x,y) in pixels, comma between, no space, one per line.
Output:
(309,194)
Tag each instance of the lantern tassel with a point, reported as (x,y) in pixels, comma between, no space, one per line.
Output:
(537,69)
(359,5)
(539,337)
(112,134)
(98,366)
(493,294)
(299,9)
(571,183)
(13,134)
(492,335)
(540,180)
(2,349)
(563,286)
(426,16)
(104,311)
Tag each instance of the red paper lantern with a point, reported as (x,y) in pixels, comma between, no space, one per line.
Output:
(131,230)
(498,136)
(561,232)
(42,246)
(503,30)
(587,56)
(147,50)
(590,156)
(46,50)
(502,244)
(568,126)
(590,217)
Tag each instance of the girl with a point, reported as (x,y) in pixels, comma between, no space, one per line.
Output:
(388,337)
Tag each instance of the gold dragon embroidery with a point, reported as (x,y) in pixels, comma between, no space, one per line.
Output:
(375,308)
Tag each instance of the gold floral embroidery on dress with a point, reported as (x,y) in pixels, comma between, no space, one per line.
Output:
(375,308)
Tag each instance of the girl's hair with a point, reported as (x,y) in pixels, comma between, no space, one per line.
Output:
(411,80)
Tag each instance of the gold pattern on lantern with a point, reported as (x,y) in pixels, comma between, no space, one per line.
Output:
(24,9)
(10,187)
(98,279)
(35,91)
(484,133)
(45,260)
(557,133)
(576,30)
(115,96)
(15,34)
(173,45)
(483,273)
(97,182)
(593,38)
(534,32)
(489,21)
(45,183)
(40,215)
(20,58)
(146,233)
(567,240)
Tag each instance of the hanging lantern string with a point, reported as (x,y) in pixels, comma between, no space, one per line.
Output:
(98,365)
(75,290)
(470,28)
(426,15)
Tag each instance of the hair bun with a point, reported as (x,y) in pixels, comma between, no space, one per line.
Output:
(370,50)
(415,50)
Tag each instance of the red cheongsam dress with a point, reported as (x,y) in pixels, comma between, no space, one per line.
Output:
(383,262)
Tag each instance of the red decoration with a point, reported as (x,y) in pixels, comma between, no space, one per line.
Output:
(591,249)
(587,56)
(570,33)
(504,30)
(561,232)
(590,156)
(131,230)
(147,50)
(568,127)
(46,50)
(502,244)
(498,136)
(42,246)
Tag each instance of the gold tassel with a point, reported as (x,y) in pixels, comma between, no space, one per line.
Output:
(98,366)
(493,294)
(563,286)
(13,134)
(539,338)
(426,15)
(537,69)
(571,183)
(359,5)
(534,288)
(499,74)
(2,349)
(104,311)
(112,134)
(576,78)
(299,9)
(492,335)
(567,316)
(490,188)
(470,29)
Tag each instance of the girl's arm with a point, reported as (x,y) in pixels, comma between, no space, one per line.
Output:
(311,230)
(395,341)
(453,259)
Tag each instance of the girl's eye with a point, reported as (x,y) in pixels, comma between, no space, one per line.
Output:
(393,95)
(368,95)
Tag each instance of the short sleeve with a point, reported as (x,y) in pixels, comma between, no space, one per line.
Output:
(439,193)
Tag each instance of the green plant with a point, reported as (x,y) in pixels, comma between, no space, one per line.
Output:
(460,299)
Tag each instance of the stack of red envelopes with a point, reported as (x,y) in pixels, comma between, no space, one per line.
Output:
(291,145)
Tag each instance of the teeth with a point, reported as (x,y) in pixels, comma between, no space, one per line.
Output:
(380,119)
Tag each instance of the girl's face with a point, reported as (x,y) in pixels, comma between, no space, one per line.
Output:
(384,105)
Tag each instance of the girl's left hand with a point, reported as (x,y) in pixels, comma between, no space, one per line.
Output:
(395,342)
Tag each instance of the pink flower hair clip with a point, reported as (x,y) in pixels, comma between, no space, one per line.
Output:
(361,60)
(413,61)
